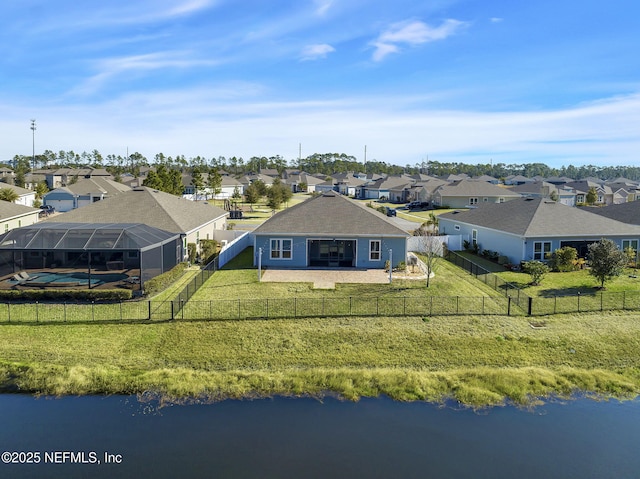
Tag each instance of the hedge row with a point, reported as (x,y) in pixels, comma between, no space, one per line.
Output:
(66,295)
(164,280)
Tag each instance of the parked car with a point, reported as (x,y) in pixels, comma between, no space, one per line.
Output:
(391,212)
(418,205)
(46,210)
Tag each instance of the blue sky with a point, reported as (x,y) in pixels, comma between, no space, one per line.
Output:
(552,81)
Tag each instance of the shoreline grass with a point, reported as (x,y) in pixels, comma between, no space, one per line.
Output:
(476,360)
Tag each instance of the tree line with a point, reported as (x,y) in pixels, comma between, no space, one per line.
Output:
(317,163)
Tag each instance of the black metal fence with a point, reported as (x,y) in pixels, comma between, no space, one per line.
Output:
(242,309)
(545,305)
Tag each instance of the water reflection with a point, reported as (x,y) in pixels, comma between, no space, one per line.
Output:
(307,438)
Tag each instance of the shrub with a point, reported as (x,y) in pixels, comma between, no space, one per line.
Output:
(164,280)
(191,248)
(564,259)
(106,295)
(536,269)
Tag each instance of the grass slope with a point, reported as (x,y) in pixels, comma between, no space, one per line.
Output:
(476,360)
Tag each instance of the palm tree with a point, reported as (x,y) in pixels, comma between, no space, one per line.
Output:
(433,223)
(8,194)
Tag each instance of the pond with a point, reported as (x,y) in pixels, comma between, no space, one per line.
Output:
(122,437)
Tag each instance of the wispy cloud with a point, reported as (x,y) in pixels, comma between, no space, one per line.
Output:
(111,68)
(412,33)
(315,52)
(496,19)
(322,6)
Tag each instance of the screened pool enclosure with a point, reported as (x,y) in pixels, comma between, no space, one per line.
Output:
(90,247)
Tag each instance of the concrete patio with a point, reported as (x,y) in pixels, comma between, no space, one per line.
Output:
(325,278)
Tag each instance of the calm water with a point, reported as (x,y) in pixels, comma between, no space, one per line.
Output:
(306,438)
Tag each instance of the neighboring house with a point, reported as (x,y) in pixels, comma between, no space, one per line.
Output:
(25,197)
(381,189)
(514,180)
(82,193)
(582,187)
(192,220)
(542,189)
(15,216)
(488,179)
(250,178)
(296,180)
(58,177)
(228,186)
(470,193)
(529,228)
(329,230)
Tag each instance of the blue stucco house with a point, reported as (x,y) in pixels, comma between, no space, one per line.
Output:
(329,231)
(529,228)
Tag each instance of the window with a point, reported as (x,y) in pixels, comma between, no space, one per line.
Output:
(633,244)
(541,249)
(500,200)
(473,201)
(280,249)
(485,199)
(374,250)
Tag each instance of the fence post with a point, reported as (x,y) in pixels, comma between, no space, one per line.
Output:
(578,301)
(483,305)
(267,308)
(172,311)
(431,306)
(37,320)
(350,305)
(182,308)
(64,311)
(555,304)
(530,306)
(508,305)
(93,310)
(149,312)
(457,304)
(601,293)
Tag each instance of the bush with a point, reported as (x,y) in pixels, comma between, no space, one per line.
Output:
(107,295)
(564,259)
(164,280)
(536,269)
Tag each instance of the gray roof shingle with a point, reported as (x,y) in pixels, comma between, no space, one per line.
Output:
(147,206)
(330,214)
(539,218)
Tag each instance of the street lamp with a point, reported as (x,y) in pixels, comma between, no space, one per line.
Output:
(33,144)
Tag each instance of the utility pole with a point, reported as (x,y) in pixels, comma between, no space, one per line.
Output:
(33,145)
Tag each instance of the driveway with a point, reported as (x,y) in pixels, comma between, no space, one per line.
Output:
(325,278)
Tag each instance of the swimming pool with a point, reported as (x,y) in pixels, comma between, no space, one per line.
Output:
(76,278)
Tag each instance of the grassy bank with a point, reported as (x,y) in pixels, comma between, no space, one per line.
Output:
(476,360)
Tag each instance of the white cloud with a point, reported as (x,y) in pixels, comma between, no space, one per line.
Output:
(112,67)
(322,6)
(233,120)
(314,52)
(496,19)
(412,33)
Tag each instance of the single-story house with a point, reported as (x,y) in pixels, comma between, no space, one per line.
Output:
(329,231)
(82,193)
(15,216)
(529,228)
(471,193)
(381,189)
(25,197)
(191,220)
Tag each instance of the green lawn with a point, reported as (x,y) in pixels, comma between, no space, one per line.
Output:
(572,283)
(239,279)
